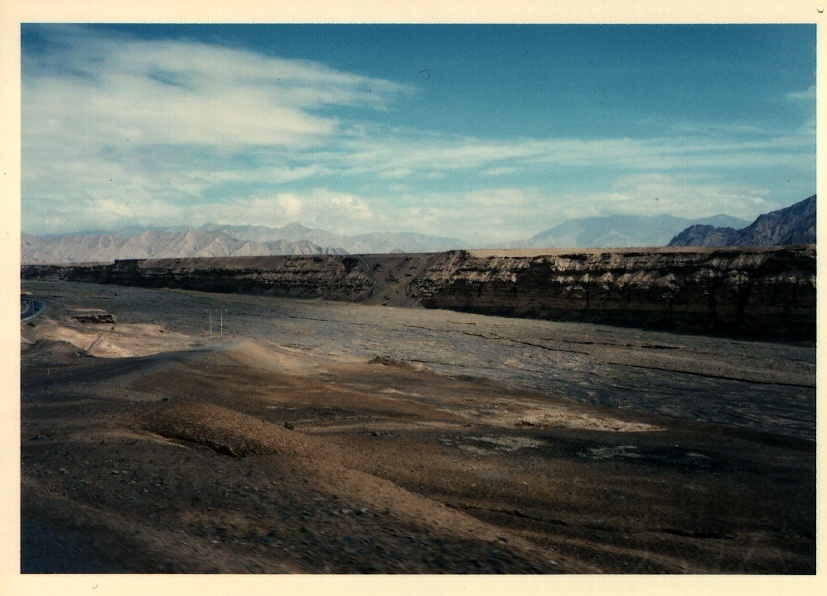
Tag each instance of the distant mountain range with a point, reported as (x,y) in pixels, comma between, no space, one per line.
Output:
(155,244)
(212,240)
(795,224)
(619,231)
(378,243)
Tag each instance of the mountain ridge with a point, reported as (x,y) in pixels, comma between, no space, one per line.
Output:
(219,240)
(216,240)
(788,226)
(618,231)
(78,248)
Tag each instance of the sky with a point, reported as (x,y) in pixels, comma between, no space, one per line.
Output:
(486,133)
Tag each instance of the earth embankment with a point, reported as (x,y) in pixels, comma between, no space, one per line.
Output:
(758,292)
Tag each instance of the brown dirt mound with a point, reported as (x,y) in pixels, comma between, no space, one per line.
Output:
(51,346)
(223,430)
(51,352)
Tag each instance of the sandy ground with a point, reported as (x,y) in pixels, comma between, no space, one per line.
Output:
(317,437)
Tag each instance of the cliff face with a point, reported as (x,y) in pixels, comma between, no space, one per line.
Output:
(320,276)
(761,292)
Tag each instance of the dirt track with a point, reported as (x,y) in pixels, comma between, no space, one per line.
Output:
(470,445)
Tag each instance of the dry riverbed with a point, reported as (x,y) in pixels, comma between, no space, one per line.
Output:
(319,437)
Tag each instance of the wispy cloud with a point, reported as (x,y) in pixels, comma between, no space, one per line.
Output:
(123,131)
(413,154)
(112,90)
(807,95)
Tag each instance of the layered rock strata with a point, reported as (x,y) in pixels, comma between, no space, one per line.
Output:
(760,292)
(757,292)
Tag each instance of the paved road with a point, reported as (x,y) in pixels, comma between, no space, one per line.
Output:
(90,370)
(29,309)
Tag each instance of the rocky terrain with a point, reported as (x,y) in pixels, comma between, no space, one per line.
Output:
(309,436)
(758,292)
(792,225)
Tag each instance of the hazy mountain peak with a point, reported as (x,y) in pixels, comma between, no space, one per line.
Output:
(791,225)
(295,228)
(219,240)
(617,231)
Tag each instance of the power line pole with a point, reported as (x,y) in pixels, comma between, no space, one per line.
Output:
(220,312)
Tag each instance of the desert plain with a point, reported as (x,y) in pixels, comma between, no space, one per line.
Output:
(171,431)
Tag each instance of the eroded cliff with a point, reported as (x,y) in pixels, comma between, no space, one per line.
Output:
(768,292)
(760,292)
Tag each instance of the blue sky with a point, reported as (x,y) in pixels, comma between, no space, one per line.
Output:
(486,133)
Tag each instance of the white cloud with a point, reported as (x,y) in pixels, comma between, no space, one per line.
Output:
(284,207)
(502,198)
(121,131)
(116,209)
(341,212)
(481,217)
(416,156)
(186,92)
(110,122)
(316,208)
(807,95)
(657,193)
(501,171)
(290,205)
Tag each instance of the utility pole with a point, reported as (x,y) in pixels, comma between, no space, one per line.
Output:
(220,312)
